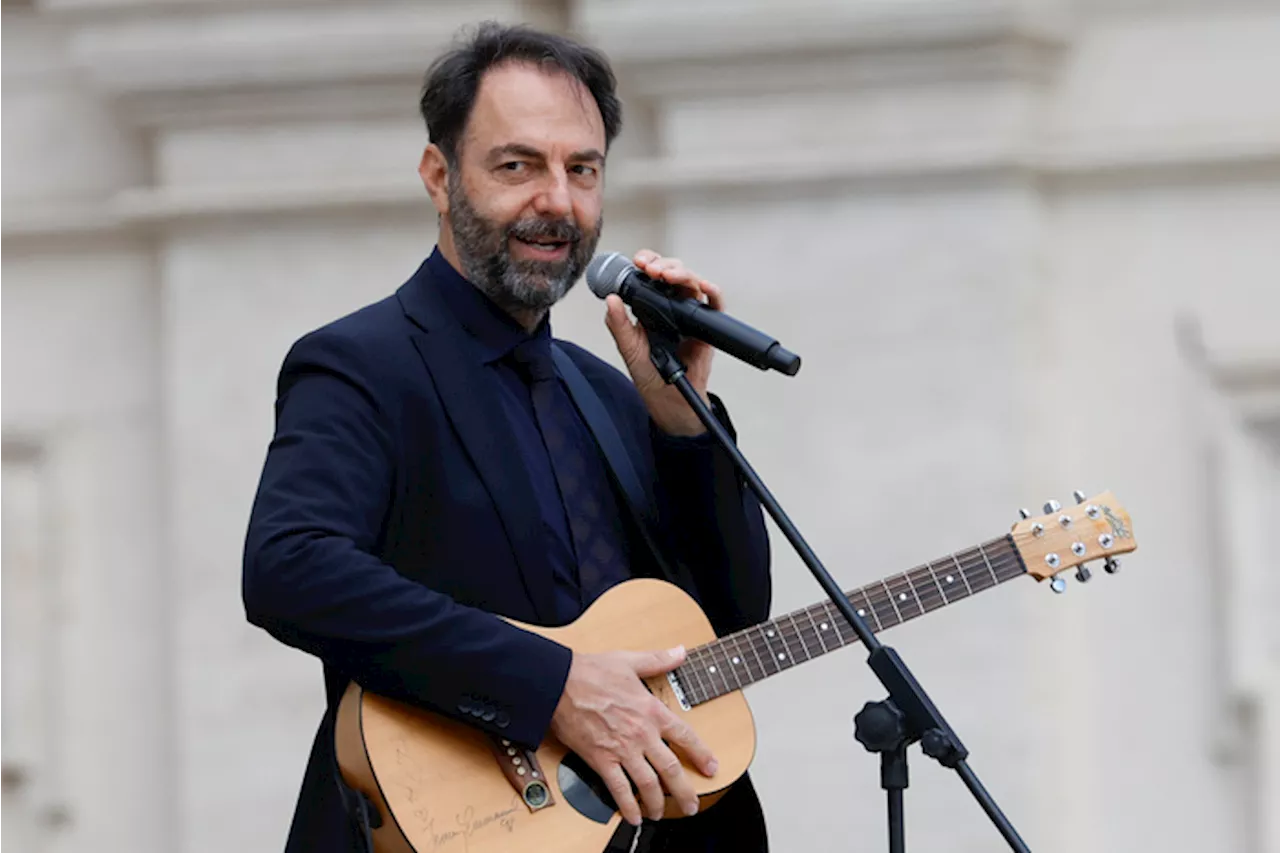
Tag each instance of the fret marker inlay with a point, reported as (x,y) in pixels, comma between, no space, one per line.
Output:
(771,644)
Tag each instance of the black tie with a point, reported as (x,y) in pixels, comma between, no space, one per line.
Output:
(580,474)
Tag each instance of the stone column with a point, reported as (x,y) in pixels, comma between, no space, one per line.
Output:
(89,759)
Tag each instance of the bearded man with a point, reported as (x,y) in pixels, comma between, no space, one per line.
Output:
(431,471)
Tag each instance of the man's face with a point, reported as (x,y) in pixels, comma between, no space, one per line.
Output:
(525,194)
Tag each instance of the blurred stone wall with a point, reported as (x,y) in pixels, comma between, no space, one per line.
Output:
(1023,247)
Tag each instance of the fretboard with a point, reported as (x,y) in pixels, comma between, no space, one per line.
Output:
(741,659)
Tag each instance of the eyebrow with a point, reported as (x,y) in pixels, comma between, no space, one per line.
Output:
(519,150)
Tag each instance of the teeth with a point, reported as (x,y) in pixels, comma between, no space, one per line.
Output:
(547,245)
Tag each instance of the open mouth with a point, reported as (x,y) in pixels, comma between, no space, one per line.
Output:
(544,247)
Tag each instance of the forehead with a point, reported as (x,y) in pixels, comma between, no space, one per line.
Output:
(549,109)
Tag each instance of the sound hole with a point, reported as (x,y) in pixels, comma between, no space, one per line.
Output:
(583,788)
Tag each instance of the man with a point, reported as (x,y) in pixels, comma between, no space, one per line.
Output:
(430,468)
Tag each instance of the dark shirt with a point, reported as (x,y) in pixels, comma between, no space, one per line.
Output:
(498,334)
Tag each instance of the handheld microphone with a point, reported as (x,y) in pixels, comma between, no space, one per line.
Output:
(614,273)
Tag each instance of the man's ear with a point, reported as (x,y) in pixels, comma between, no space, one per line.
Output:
(434,171)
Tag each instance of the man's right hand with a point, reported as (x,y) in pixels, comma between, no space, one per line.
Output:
(609,718)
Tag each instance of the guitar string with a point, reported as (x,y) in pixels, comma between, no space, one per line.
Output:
(705,694)
(845,634)
(912,579)
(973,558)
(708,661)
(808,637)
(705,658)
(920,581)
(897,585)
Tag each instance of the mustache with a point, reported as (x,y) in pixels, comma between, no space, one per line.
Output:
(561,230)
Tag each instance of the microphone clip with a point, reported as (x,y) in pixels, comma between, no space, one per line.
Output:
(663,338)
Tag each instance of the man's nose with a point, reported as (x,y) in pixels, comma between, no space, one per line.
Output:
(554,199)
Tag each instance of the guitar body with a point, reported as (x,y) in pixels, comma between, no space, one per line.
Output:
(437,784)
(441,785)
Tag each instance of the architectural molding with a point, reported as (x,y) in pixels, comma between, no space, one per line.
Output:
(1102,9)
(338,100)
(24,220)
(137,51)
(33,770)
(184,65)
(191,61)
(639,179)
(828,69)
(652,31)
(155,206)
(636,178)
(115,8)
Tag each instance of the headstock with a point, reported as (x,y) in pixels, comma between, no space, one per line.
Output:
(1096,528)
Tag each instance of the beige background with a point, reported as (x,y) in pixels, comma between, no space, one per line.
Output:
(1023,247)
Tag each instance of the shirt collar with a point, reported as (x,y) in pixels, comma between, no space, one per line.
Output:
(493,329)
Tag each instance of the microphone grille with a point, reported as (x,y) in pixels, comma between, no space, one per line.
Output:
(606,272)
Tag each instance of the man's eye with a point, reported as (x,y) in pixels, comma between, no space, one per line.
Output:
(584,170)
(513,166)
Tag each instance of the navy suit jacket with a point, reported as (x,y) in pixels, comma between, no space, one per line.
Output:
(393,521)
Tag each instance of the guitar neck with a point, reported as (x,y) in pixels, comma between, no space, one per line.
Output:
(741,659)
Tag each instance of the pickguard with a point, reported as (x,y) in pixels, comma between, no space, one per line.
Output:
(583,789)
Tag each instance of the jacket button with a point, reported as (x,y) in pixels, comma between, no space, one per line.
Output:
(464,707)
(489,714)
(502,720)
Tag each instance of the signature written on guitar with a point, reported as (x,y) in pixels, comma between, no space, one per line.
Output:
(467,823)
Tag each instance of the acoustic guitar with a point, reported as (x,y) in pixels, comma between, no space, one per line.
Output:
(439,785)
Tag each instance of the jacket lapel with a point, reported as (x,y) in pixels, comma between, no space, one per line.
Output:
(449,356)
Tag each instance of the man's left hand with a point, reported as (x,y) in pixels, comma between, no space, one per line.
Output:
(666,406)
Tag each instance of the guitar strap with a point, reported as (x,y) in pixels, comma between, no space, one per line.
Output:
(639,498)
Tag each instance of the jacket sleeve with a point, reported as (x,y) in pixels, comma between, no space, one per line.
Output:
(313,580)
(716,525)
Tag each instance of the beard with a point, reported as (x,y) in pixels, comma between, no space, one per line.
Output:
(517,285)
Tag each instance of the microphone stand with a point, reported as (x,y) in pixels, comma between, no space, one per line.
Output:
(907,715)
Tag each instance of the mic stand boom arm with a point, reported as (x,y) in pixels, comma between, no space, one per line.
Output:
(907,715)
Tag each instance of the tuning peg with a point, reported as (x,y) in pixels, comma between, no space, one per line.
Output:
(1058,584)
(1079,496)
(1112,565)
(1051,507)
(1083,574)
(1024,512)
